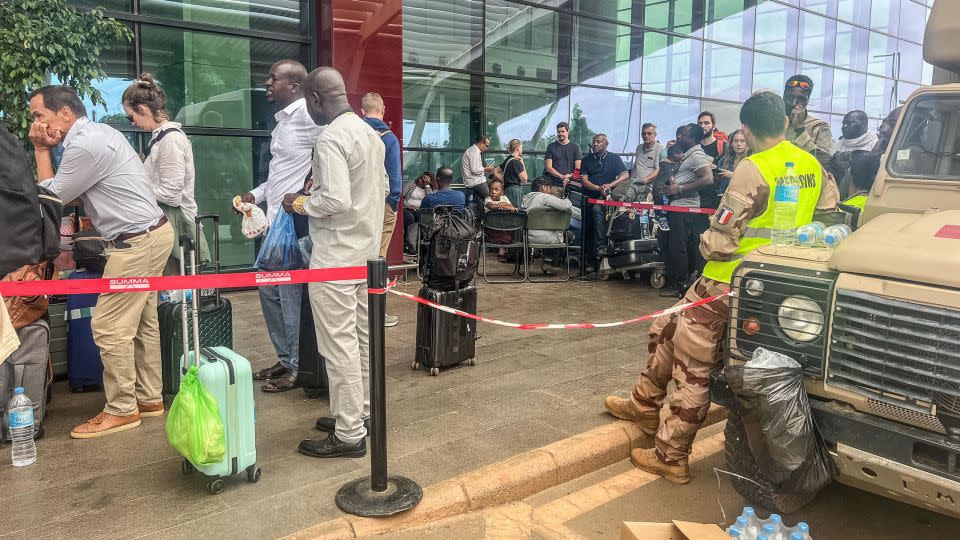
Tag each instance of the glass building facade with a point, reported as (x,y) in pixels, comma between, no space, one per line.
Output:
(514,69)
(452,69)
(212,58)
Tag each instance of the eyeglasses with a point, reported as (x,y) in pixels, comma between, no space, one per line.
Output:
(130,118)
(802,84)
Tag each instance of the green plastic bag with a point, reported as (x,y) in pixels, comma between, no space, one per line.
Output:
(193,424)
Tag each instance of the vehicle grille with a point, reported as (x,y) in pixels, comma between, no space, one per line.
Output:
(902,352)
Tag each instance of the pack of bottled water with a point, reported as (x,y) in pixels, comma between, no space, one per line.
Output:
(749,527)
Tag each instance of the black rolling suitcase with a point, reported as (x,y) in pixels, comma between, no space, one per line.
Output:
(445,339)
(216,322)
(312,367)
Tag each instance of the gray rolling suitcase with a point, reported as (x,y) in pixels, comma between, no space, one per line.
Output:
(28,367)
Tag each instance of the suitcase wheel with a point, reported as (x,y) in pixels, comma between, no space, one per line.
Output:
(215,486)
(186,466)
(253,474)
(658,279)
(435,371)
(471,362)
(415,365)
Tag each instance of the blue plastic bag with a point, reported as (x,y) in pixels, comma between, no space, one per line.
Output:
(280,249)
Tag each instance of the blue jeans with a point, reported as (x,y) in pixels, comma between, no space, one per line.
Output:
(281,312)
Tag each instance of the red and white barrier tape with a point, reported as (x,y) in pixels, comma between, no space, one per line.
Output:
(164,283)
(558,326)
(651,206)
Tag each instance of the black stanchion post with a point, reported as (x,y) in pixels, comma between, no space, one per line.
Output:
(380,495)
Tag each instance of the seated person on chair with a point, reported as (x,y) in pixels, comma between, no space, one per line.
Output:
(498,202)
(444,196)
(863,170)
(542,196)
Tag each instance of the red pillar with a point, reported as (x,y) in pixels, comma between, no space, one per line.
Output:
(363,40)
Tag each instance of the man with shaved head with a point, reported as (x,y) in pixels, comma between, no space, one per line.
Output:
(290,146)
(345,208)
(855,135)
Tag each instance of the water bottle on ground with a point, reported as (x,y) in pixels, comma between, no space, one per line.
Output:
(785,202)
(811,234)
(835,234)
(20,412)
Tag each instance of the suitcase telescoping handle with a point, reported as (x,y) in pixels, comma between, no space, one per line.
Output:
(215,218)
(187,243)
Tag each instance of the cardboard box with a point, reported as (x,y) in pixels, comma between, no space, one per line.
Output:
(678,530)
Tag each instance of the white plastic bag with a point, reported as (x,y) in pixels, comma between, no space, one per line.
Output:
(254,221)
(764,359)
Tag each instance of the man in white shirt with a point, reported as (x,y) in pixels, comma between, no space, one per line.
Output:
(345,208)
(474,172)
(291,146)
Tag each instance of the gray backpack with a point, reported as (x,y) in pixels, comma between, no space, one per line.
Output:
(27,367)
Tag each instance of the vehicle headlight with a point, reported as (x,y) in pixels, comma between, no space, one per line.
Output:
(800,318)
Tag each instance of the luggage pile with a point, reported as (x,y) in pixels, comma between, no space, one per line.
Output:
(451,248)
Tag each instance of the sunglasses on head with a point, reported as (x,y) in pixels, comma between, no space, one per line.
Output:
(802,84)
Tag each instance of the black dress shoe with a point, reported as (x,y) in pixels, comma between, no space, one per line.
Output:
(332,447)
(328,424)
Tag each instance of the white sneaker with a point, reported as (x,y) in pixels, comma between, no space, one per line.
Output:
(391,320)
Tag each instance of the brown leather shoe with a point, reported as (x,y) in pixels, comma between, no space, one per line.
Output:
(623,409)
(105,424)
(648,460)
(150,409)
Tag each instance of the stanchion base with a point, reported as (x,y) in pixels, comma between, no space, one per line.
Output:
(359,499)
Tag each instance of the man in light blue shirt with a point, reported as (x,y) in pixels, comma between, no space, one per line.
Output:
(101,169)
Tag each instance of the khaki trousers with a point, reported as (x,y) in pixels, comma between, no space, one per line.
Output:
(684,347)
(389,223)
(340,312)
(125,325)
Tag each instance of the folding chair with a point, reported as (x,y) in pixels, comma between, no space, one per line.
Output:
(548,219)
(513,222)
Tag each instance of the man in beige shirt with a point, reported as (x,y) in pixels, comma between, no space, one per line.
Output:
(345,207)
(685,346)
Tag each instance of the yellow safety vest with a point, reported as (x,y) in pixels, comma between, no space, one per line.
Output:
(857,200)
(772,166)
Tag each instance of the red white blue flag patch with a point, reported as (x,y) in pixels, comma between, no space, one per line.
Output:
(724,215)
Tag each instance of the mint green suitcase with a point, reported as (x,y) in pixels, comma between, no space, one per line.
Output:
(227,376)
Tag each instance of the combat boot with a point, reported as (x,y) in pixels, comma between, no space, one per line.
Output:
(623,409)
(649,461)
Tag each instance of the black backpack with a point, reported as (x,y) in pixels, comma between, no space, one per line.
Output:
(454,251)
(29,214)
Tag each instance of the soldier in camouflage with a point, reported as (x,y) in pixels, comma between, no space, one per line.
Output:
(685,347)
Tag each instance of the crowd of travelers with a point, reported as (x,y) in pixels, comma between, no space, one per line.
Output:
(339,175)
(693,169)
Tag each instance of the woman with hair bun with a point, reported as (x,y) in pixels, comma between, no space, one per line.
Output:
(168,159)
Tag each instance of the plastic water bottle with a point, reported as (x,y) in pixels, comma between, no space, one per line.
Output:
(764,537)
(796,535)
(770,531)
(733,532)
(785,202)
(801,529)
(811,234)
(752,525)
(20,411)
(163,297)
(835,234)
(777,521)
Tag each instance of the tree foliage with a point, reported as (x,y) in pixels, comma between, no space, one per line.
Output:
(48,37)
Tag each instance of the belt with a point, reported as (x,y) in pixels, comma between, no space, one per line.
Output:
(127,236)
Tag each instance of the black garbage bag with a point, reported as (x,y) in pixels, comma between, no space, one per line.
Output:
(790,463)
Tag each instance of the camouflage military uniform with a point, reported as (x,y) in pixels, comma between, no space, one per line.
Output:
(685,347)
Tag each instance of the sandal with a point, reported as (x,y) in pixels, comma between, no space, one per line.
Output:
(271,372)
(287,381)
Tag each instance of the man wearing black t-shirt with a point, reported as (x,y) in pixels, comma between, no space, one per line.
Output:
(601,173)
(563,157)
(713,144)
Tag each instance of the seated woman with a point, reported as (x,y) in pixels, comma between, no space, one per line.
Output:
(413,195)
